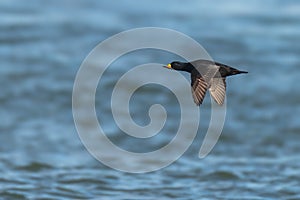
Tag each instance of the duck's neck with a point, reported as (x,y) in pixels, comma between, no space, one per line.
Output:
(187,67)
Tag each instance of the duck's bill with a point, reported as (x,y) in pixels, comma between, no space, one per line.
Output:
(168,66)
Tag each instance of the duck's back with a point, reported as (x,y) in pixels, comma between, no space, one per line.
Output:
(204,66)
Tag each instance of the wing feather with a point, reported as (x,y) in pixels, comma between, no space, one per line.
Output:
(199,88)
(217,90)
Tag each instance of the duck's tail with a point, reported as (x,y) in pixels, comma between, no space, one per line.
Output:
(234,72)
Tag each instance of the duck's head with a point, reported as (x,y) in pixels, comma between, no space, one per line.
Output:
(175,65)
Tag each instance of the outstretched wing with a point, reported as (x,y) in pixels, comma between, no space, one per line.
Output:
(217,89)
(199,87)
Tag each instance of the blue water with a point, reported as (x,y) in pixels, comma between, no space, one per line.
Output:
(42,45)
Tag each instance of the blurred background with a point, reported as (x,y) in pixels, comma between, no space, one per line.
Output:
(42,45)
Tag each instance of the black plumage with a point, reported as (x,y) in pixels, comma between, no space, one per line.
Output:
(206,75)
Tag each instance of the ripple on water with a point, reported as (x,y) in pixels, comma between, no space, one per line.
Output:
(34,167)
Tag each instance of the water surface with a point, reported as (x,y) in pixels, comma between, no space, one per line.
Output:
(42,45)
